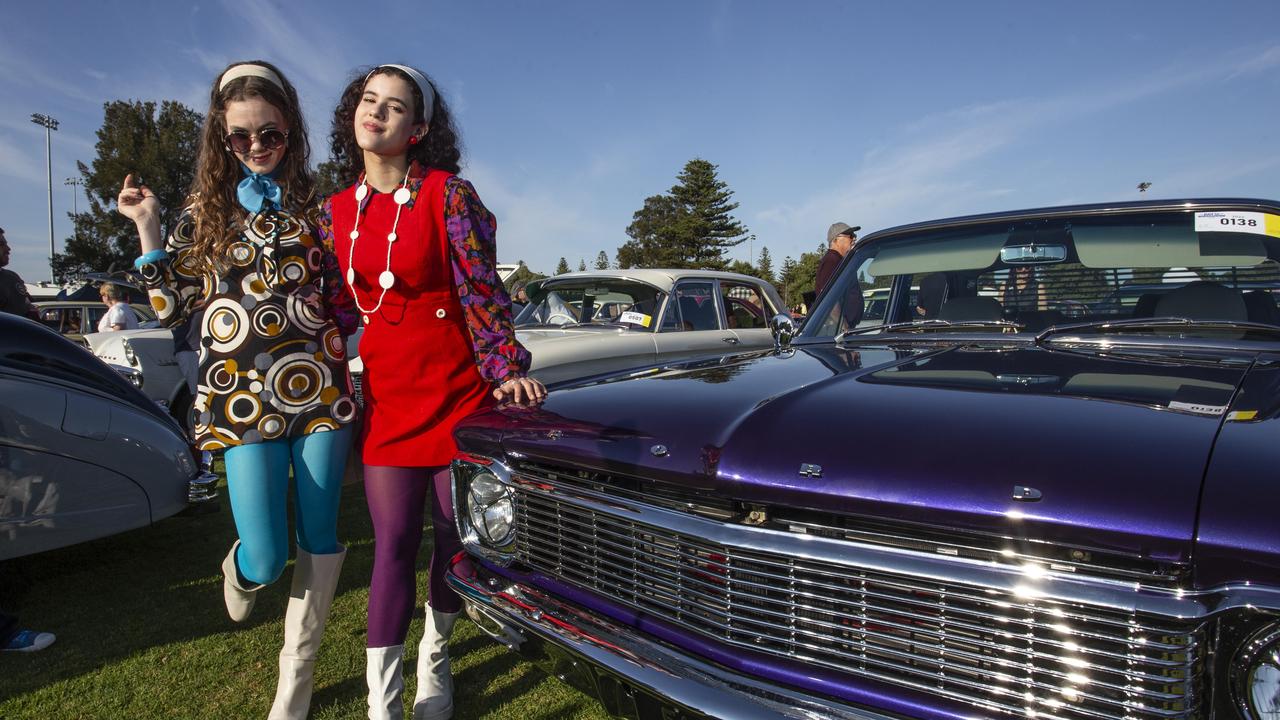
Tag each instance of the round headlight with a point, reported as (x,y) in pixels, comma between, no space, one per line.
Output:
(1256,675)
(129,355)
(490,508)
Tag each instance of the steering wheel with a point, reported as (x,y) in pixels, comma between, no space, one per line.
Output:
(567,319)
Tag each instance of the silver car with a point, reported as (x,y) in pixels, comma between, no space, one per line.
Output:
(588,323)
(83,453)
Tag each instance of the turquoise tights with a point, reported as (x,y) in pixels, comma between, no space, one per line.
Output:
(258,482)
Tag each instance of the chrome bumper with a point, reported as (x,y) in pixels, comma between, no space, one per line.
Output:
(631,675)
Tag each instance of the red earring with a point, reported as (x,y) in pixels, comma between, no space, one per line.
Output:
(413,140)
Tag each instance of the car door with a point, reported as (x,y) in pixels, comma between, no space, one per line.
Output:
(747,309)
(693,322)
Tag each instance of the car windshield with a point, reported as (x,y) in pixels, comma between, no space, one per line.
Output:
(587,301)
(1029,275)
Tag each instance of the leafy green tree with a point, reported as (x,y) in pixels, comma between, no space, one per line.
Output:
(602,261)
(562,267)
(689,227)
(328,179)
(800,277)
(743,267)
(157,145)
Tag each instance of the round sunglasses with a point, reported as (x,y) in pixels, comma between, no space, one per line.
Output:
(240,141)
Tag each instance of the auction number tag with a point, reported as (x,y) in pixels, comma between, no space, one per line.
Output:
(635,318)
(1235,221)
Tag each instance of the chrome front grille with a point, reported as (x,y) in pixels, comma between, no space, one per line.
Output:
(1003,651)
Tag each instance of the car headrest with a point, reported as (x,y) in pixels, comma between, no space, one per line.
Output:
(1146,306)
(971,308)
(1203,300)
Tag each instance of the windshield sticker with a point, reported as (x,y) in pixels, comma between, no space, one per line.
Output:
(1246,222)
(635,318)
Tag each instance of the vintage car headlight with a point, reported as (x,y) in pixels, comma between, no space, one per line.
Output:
(491,508)
(484,500)
(129,356)
(1255,675)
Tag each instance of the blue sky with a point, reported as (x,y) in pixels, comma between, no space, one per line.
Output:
(873,113)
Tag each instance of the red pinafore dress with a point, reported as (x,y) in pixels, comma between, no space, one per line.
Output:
(420,375)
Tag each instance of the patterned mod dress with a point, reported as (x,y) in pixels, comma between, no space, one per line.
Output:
(272,354)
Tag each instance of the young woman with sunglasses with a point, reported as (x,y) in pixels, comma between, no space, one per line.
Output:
(273,389)
(417,249)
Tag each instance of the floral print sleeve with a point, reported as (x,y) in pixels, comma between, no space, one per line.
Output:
(472,231)
(337,296)
(174,282)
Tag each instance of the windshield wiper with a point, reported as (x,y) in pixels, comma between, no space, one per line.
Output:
(933,324)
(1103,326)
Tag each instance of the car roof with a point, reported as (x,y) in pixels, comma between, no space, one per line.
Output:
(659,277)
(1113,208)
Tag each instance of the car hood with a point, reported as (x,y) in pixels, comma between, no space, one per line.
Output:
(1115,449)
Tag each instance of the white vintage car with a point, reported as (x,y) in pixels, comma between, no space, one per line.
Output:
(588,323)
(146,358)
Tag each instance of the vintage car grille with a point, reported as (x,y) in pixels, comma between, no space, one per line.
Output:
(357,388)
(993,649)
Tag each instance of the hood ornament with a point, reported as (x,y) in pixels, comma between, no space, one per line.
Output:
(658,450)
(554,434)
(1026,494)
(810,470)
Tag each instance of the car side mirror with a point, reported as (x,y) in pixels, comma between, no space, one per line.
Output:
(783,329)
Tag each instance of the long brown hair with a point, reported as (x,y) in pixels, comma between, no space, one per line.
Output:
(440,149)
(218,215)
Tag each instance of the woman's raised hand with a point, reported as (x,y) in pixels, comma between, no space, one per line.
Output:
(136,201)
(139,204)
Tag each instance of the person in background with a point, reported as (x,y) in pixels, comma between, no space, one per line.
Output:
(13,292)
(840,240)
(15,639)
(119,315)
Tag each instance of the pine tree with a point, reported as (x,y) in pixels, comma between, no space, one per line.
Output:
(582,265)
(765,266)
(158,147)
(689,227)
(706,198)
(602,261)
(562,267)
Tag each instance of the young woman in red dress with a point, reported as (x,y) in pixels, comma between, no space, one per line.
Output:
(417,249)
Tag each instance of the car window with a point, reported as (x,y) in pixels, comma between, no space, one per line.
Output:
(692,307)
(1081,269)
(592,301)
(745,309)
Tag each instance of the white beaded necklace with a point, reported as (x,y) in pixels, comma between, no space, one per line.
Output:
(386,279)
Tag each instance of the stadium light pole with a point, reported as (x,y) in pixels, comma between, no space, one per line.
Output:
(49,125)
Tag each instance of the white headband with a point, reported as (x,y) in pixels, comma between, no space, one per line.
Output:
(247,70)
(424,88)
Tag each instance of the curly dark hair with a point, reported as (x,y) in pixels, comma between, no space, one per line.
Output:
(440,149)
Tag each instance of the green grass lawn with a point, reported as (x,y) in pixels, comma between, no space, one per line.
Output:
(142,633)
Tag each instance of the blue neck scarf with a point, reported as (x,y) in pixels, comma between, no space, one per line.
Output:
(258,191)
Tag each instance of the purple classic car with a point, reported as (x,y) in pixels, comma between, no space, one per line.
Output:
(999,493)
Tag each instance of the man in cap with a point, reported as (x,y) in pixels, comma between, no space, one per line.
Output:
(840,240)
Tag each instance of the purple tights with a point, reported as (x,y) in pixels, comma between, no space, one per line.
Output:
(396,497)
